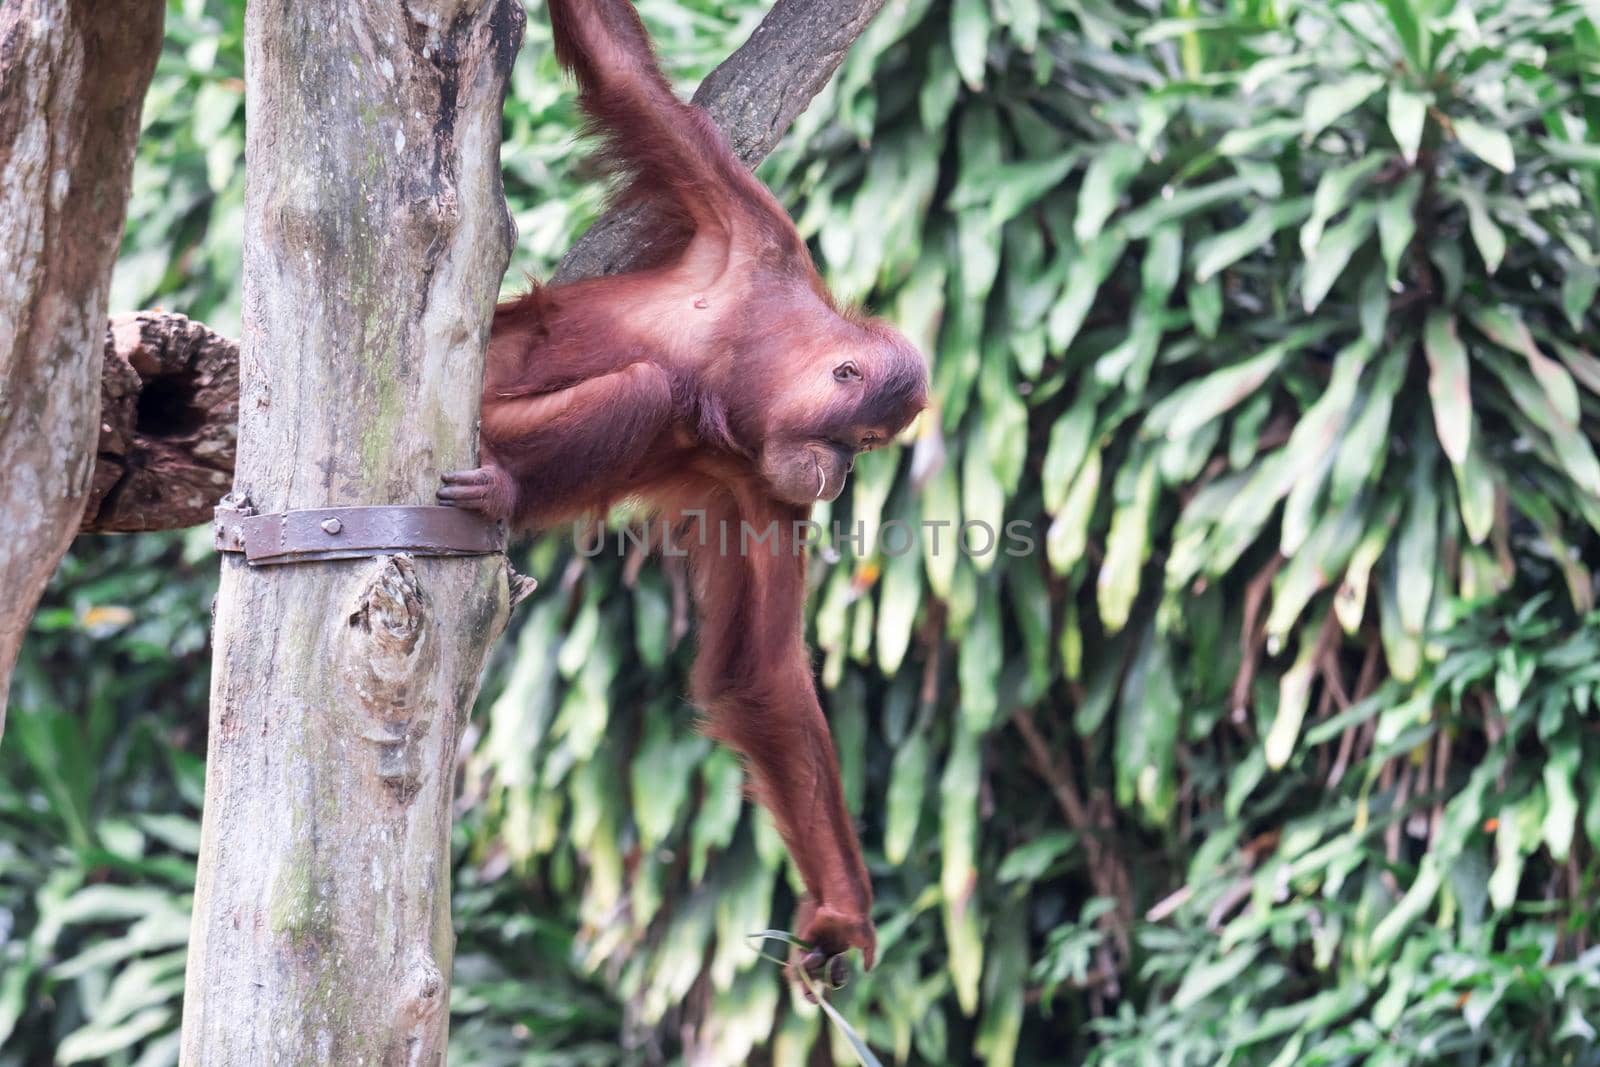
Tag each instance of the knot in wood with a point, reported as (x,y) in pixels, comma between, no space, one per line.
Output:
(421,991)
(391,609)
(388,631)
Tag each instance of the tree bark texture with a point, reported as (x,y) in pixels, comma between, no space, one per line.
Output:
(376,236)
(72,78)
(169,410)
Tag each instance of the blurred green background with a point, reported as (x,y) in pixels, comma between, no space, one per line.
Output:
(1270,318)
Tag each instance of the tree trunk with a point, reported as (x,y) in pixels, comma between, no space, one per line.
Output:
(72,78)
(376,236)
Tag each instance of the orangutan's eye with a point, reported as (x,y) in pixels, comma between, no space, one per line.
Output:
(847,372)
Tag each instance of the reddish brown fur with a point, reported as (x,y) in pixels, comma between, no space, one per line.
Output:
(722,380)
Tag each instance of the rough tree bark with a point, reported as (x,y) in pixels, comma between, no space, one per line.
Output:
(72,77)
(156,473)
(376,236)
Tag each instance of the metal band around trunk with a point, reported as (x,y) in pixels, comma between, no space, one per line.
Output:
(351,533)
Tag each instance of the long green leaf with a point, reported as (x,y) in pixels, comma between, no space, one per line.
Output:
(1333,254)
(1449,386)
(1110,171)
(1397,224)
(1327,103)
(1488,144)
(1334,193)
(1221,251)
(1407,113)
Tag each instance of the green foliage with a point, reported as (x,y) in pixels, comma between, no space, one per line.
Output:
(1258,335)
(100,789)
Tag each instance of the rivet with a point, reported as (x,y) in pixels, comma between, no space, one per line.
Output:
(331,526)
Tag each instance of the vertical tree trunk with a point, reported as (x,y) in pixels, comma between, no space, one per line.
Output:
(376,237)
(72,79)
